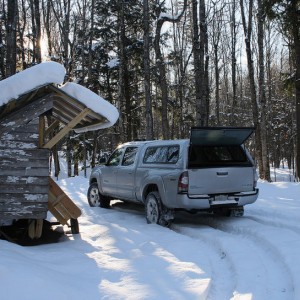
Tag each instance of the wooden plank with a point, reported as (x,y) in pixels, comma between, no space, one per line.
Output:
(41,130)
(12,180)
(60,205)
(28,136)
(37,163)
(26,114)
(20,145)
(29,128)
(57,211)
(28,206)
(53,126)
(63,99)
(28,198)
(23,188)
(66,129)
(24,172)
(23,214)
(23,154)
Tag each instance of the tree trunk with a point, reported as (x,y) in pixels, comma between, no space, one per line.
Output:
(295,30)
(162,80)
(204,59)
(124,88)
(11,37)
(216,24)
(90,55)
(2,68)
(251,75)
(197,64)
(147,82)
(265,172)
(233,63)
(36,31)
(46,10)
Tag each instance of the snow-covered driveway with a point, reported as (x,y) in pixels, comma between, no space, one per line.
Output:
(118,256)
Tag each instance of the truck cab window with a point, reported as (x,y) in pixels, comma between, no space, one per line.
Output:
(129,156)
(115,158)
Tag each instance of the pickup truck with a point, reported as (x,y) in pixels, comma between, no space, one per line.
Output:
(212,171)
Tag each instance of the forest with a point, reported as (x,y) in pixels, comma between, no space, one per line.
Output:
(169,65)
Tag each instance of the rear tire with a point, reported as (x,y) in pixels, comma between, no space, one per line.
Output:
(154,210)
(95,199)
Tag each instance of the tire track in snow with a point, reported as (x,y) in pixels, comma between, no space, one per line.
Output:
(222,287)
(272,245)
(267,220)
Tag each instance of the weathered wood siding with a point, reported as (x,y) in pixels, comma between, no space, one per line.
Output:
(24,167)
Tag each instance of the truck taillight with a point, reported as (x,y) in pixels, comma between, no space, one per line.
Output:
(183,182)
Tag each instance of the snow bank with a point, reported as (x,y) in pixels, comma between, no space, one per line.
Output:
(29,79)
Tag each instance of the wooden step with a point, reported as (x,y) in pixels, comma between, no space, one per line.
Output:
(60,205)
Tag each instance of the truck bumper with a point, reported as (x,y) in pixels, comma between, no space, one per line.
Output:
(190,202)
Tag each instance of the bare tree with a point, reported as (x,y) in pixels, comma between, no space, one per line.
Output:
(147,82)
(203,112)
(36,31)
(124,87)
(233,59)
(265,172)
(161,69)
(197,65)
(11,37)
(251,75)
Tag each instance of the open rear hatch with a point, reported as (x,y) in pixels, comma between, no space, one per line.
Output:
(220,136)
(218,163)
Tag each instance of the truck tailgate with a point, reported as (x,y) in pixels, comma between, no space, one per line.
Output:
(220,180)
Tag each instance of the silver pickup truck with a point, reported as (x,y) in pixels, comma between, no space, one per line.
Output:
(212,171)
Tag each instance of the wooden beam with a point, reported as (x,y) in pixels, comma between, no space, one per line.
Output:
(67,129)
(53,126)
(41,130)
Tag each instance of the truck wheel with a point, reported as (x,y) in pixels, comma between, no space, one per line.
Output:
(95,198)
(154,210)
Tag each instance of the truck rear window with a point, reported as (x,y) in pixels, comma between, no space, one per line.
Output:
(161,154)
(205,156)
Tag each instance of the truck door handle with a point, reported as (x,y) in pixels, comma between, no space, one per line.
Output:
(222,173)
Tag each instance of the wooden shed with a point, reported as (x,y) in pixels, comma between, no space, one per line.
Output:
(30,126)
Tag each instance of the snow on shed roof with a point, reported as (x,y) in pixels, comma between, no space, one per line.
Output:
(51,72)
(29,79)
(94,102)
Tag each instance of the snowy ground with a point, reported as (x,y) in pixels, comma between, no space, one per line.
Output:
(118,256)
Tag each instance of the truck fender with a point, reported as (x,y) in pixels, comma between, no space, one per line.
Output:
(96,177)
(152,184)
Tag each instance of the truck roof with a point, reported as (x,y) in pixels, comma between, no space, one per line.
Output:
(156,142)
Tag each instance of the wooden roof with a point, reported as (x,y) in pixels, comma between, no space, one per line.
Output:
(64,109)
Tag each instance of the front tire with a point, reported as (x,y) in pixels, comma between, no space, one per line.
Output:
(154,210)
(95,199)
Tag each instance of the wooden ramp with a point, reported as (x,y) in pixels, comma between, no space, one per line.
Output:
(62,207)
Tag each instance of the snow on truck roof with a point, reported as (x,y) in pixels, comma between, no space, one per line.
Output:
(48,73)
